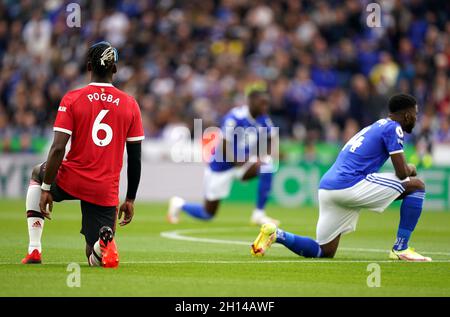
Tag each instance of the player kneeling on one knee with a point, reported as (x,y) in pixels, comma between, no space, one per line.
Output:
(90,173)
(353,183)
(233,159)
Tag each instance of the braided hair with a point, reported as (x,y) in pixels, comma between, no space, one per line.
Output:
(102,57)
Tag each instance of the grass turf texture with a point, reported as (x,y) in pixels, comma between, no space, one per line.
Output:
(152,265)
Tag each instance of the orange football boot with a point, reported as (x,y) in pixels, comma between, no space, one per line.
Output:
(110,256)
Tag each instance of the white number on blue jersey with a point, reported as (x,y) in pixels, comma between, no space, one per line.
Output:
(382,122)
(357,140)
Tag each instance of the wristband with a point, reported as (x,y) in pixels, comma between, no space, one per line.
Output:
(46,187)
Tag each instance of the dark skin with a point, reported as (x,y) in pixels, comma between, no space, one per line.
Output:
(56,156)
(258,105)
(407,120)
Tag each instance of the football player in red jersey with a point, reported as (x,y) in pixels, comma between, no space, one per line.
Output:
(100,119)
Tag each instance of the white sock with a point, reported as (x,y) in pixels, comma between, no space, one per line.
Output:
(33,197)
(35,228)
(258,213)
(35,224)
(94,258)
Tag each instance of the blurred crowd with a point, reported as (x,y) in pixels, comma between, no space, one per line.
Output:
(328,72)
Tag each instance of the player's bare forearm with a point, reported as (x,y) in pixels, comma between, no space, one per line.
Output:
(413,170)
(402,169)
(55,156)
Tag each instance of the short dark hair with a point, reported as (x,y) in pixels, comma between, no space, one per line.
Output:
(401,102)
(102,57)
(257,93)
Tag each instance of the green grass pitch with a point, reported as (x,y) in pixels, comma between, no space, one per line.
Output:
(213,259)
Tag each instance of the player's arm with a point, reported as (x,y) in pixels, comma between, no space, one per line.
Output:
(402,169)
(54,160)
(228,150)
(393,138)
(269,151)
(272,146)
(134,150)
(270,133)
(134,139)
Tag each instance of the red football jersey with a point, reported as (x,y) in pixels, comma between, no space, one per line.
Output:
(100,119)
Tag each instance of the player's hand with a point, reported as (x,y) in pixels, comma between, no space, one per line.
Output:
(46,199)
(127,209)
(413,169)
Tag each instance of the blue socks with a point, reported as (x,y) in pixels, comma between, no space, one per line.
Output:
(264,185)
(409,215)
(196,211)
(303,246)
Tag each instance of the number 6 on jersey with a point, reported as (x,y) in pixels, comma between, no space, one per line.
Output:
(98,126)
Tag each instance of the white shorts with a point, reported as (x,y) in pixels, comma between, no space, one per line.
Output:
(217,185)
(339,209)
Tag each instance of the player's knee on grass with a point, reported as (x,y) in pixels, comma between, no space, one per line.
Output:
(211,207)
(329,249)
(89,250)
(328,253)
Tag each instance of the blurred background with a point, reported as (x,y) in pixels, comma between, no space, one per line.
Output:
(328,72)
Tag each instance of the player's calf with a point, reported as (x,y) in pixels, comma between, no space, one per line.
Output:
(410,212)
(35,219)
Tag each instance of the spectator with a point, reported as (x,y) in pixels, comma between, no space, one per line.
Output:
(327,72)
(37,34)
(300,94)
(443,133)
(384,74)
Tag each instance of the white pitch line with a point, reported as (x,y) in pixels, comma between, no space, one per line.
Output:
(239,262)
(178,235)
(181,235)
(273,261)
(384,251)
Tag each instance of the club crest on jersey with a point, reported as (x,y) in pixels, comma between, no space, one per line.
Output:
(103,97)
(399,131)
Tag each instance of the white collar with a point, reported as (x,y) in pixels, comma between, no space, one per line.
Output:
(101,84)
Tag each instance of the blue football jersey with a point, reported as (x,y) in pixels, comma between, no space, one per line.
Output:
(364,153)
(243,131)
